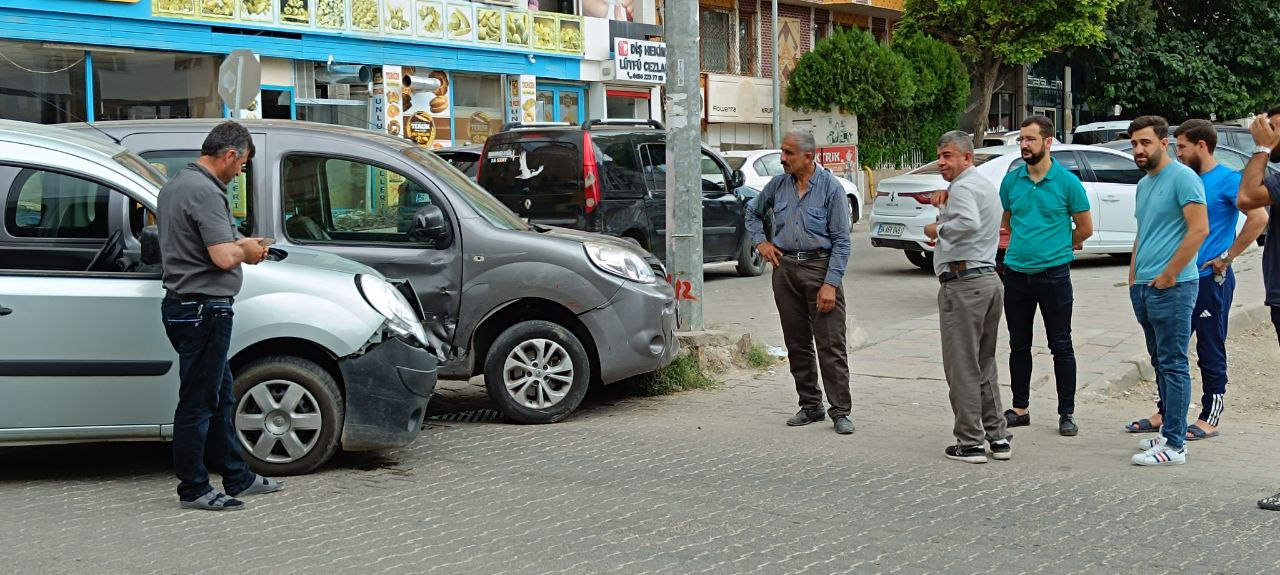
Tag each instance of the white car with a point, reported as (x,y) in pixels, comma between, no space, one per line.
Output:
(760,166)
(902,206)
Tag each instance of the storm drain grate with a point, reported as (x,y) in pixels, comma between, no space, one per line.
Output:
(473,416)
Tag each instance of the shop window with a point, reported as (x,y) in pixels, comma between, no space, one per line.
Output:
(626,107)
(747,45)
(41,85)
(560,104)
(1000,117)
(714,29)
(335,200)
(150,85)
(479,107)
(239,191)
(43,204)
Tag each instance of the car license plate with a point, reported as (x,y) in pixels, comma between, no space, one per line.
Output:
(894,230)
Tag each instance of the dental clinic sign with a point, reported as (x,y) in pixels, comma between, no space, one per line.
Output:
(640,61)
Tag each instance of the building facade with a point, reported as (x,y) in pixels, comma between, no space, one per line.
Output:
(478,64)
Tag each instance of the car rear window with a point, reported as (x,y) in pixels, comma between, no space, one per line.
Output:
(932,167)
(735,162)
(538,164)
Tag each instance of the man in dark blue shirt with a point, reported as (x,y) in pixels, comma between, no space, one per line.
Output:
(1260,190)
(809,251)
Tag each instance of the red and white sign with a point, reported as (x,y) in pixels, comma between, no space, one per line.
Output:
(838,155)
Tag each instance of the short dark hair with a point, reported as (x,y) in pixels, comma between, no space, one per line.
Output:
(1045,124)
(1273,111)
(228,135)
(1156,123)
(1198,130)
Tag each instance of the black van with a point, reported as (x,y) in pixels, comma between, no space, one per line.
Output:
(609,176)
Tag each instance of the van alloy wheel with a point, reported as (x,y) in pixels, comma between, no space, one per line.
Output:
(538,373)
(278,421)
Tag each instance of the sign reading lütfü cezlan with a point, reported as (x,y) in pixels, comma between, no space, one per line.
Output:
(640,61)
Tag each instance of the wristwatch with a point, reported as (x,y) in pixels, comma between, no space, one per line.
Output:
(1226,258)
(1260,149)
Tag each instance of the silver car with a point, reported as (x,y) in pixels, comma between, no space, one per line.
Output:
(325,351)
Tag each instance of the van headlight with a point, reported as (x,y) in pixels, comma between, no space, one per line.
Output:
(620,262)
(389,302)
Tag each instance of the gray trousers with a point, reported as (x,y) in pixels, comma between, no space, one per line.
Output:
(795,291)
(969,317)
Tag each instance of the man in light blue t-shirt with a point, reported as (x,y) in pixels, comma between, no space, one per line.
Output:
(1163,279)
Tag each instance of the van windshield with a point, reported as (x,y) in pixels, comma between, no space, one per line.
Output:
(481,201)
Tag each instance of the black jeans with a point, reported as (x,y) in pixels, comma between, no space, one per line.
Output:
(203,435)
(1275,319)
(1050,291)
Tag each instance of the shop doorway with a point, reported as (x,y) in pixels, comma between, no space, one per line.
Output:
(562,104)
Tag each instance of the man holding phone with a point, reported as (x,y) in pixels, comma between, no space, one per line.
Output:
(201,254)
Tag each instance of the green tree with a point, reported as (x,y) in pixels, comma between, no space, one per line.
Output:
(905,95)
(853,73)
(992,33)
(1187,59)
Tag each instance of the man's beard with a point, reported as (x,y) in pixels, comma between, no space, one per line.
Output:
(1034,158)
(1149,165)
(1194,163)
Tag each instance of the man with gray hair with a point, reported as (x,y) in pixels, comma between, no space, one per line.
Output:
(809,251)
(970,301)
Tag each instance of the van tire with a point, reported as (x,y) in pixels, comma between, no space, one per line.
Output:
(750,262)
(922,260)
(274,377)
(533,339)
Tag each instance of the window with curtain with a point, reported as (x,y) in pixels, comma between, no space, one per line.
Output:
(716,36)
(747,45)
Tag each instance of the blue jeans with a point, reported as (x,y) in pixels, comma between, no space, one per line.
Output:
(1050,291)
(1209,323)
(1165,316)
(203,435)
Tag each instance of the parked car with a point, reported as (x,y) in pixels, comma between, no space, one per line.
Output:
(325,352)
(1228,156)
(1007,138)
(760,166)
(902,206)
(465,158)
(1100,132)
(609,177)
(541,313)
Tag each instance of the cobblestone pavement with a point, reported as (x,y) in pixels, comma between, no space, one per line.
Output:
(700,482)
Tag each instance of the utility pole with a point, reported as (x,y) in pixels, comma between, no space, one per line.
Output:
(777,82)
(684,161)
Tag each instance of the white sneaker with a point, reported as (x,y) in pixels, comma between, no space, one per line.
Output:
(1161,455)
(1149,443)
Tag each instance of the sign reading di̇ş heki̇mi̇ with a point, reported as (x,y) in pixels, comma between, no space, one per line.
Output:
(640,60)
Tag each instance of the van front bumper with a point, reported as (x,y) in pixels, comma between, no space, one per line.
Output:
(635,332)
(387,390)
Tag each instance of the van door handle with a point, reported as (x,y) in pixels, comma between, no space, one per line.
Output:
(5,311)
(1110,198)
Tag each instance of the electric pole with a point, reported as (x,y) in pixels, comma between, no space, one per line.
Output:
(684,161)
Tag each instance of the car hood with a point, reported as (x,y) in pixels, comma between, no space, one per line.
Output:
(912,183)
(303,256)
(583,237)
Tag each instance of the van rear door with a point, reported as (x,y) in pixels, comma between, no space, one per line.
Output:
(538,176)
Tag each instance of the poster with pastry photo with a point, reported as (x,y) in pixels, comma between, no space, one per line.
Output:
(426,106)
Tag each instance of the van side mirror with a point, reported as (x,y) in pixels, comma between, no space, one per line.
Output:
(736,180)
(429,225)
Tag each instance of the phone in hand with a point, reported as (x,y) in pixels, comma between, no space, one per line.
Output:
(266,242)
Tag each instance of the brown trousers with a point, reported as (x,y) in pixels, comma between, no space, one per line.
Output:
(795,291)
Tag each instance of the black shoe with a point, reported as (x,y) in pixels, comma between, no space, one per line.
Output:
(803,417)
(844,425)
(1001,450)
(974,454)
(1012,419)
(1067,425)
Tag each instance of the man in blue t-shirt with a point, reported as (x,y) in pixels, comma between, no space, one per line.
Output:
(1197,140)
(1047,213)
(1258,189)
(1163,279)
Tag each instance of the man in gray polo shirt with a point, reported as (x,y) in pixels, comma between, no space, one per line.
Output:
(970,301)
(201,253)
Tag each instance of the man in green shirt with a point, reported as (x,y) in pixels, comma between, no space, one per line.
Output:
(1046,212)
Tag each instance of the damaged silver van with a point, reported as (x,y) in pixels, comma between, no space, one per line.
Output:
(539,312)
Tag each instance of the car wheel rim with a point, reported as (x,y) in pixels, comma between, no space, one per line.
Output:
(538,373)
(278,421)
